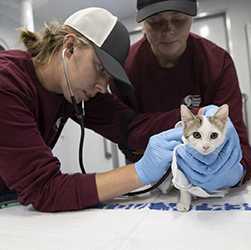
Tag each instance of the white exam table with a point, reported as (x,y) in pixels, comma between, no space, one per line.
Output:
(145,222)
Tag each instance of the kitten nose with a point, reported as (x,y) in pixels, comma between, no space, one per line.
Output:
(206,147)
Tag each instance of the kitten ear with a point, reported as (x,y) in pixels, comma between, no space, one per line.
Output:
(221,116)
(186,115)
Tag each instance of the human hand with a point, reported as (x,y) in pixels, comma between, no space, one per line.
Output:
(158,155)
(217,169)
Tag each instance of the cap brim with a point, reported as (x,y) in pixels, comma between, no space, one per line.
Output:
(186,7)
(114,69)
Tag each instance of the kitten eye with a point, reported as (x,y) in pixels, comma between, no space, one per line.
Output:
(214,135)
(196,135)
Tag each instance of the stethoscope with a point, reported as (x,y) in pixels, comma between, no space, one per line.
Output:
(80,116)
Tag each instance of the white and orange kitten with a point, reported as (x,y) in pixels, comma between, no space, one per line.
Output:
(204,134)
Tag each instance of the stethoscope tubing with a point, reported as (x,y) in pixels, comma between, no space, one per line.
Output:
(79,115)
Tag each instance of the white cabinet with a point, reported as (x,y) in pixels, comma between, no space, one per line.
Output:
(95,159)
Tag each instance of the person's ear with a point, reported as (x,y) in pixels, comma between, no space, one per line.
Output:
(69,43)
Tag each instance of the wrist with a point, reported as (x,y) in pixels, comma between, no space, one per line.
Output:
(140,173)
(117,182)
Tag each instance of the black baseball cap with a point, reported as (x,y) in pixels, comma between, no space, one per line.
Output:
(147,8)
(110,40)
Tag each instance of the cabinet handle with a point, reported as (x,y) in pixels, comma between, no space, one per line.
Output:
(107,154)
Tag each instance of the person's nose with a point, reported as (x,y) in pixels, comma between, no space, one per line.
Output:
(168,28)
(101,85)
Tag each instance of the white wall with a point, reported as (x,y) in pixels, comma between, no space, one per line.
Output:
(10,37)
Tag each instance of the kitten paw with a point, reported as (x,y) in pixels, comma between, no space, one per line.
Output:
(183,207)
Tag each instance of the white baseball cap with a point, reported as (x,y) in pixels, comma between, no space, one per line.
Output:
(110,40)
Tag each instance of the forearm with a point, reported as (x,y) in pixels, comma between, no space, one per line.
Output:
(117,182)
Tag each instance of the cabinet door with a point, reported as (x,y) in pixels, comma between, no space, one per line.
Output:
(99,154)
(213,28)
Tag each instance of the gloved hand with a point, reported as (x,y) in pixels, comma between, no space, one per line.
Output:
(158,155)
(215,170)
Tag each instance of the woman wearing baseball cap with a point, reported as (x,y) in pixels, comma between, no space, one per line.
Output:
(43,87)
(171,66)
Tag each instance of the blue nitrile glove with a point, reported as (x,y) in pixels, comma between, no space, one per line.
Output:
(158,155)
(215,170)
